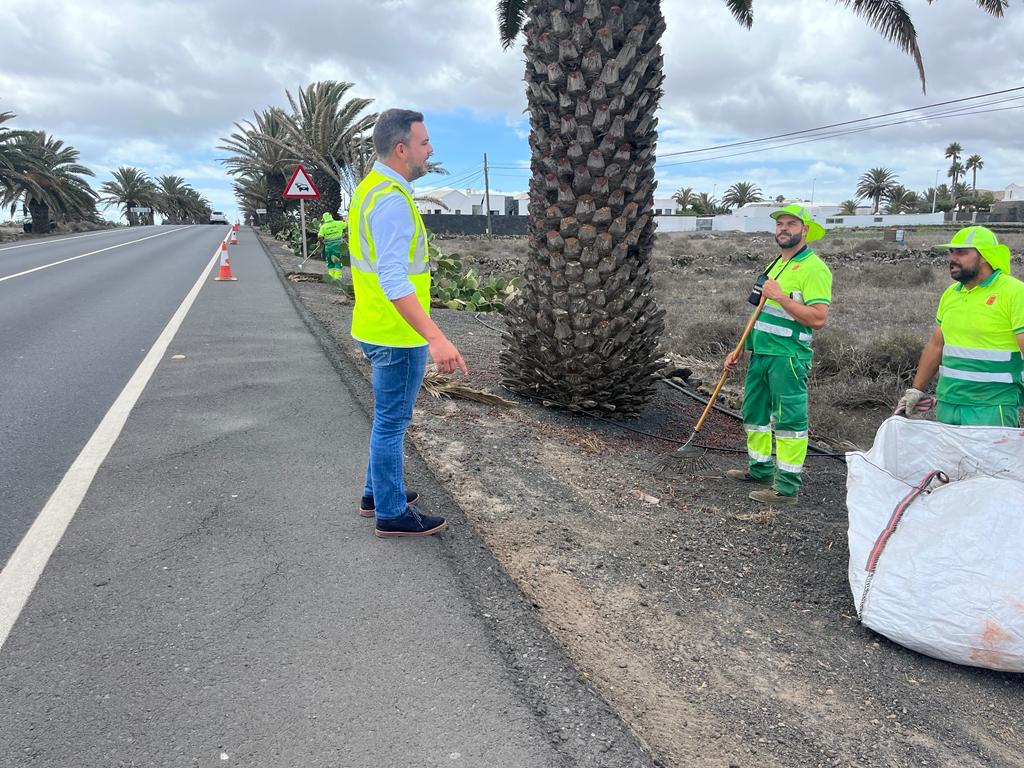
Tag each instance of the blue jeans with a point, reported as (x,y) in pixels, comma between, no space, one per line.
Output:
(397,376)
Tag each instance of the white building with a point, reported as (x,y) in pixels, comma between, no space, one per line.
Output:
(665,206)
(465,201)
(1013,192)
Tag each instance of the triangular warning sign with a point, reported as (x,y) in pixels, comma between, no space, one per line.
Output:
(301,186)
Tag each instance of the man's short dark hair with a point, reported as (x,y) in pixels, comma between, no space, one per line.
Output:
(393,127)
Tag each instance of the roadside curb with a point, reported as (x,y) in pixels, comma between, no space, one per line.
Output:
(578,721)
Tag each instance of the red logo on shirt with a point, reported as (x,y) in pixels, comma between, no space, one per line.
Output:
(991,299)
(795,267)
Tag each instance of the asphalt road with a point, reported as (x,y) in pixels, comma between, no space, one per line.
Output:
(215,598)
(71,333)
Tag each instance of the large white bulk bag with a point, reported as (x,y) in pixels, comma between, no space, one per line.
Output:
(939,566)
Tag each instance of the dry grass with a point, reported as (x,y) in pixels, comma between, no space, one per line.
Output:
(884,300)
(882,313)
(767,517)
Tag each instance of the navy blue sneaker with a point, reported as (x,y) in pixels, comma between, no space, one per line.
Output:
(367,508)
(412,523)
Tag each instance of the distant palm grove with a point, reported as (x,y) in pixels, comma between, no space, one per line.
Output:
(42,176)
(877,188)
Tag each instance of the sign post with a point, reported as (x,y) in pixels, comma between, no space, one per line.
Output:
(302,188)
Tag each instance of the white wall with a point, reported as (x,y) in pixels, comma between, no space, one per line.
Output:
(676,223)
(765,223)
(886,220)
(1014,192)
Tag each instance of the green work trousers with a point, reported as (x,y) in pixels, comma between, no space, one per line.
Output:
(978,415)
(336,261)
(775,396)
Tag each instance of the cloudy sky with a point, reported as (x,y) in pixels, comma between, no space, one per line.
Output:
(157,84)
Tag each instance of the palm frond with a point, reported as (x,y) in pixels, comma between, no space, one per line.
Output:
(742,10)
(439,385)
(995,7)
(892,21)
(511,19)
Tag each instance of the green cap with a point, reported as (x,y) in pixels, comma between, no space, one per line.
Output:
(986,243)
(814,230)
(326,217)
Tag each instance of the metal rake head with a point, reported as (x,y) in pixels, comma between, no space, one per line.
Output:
(686,458)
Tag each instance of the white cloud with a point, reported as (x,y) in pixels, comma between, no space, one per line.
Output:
(156,84)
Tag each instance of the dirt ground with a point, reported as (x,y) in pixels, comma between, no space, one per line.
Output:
(721,634)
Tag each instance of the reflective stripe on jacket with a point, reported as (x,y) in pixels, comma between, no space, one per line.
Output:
(374,318)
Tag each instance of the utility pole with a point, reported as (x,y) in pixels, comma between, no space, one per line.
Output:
(487,196)
(935,190)
(812,190)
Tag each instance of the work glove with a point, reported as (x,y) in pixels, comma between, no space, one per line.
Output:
(907,406)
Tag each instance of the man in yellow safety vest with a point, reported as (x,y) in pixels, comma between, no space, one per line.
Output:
(978,341)
(391,320)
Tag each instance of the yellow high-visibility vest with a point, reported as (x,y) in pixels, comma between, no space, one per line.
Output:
(375,319)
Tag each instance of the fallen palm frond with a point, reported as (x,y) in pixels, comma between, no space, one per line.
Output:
(304,277)
(761,517)
(439,385)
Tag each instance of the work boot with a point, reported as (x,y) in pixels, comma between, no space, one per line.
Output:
(744,476)
(368,509)
(771,496)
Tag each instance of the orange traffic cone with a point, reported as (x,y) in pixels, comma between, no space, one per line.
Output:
(234,237)
(225,264)
(235,228)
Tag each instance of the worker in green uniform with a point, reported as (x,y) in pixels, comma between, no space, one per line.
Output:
(978,340)
(331,236)
(797,287)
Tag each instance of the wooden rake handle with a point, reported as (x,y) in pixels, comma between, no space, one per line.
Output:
(725,373)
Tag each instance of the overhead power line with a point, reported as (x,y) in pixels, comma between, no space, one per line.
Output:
(824,132)
(835,134)
(844,123)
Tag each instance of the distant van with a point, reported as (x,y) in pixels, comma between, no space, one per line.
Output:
(218,217)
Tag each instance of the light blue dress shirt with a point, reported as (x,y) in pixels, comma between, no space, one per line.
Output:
(392,228)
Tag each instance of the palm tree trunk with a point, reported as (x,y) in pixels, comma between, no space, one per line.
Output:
(275,202)
(583,331)
(330,196)
(40,213)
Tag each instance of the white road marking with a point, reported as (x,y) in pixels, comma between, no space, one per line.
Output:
(25,566)
(48,240)
(83,255)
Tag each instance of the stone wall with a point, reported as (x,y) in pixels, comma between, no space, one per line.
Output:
(468,224)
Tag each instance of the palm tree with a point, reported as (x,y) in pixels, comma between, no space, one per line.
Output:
(257,150)
(319,130)
(48,181)
(875,185)
(953,153)
(899,199)
(251,193)
(848,208)
(583,331)
(171,198)
(683,196)
(131,188)
(179,203)
(974,164)
(955,171)
(704,205)
(10,154)
(741,193)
